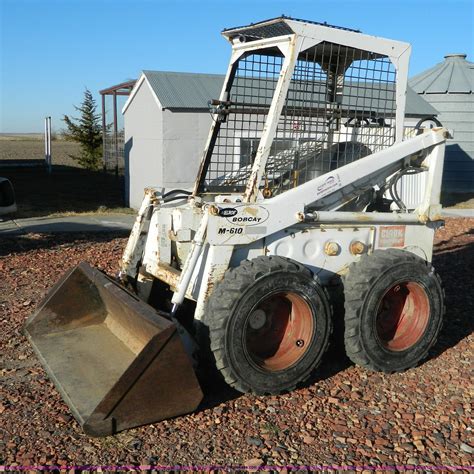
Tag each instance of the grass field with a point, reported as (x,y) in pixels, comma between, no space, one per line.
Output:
(67,189)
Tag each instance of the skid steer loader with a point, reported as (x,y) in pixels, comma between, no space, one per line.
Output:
(298,190)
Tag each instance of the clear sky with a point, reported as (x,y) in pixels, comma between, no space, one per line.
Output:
(51,49)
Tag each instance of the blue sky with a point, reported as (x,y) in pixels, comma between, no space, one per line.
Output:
(51,49)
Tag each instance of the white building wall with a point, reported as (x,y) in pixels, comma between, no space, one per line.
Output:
(143,122)
(184,138)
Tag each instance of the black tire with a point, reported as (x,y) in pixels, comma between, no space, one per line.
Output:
(394,308)
(271,351)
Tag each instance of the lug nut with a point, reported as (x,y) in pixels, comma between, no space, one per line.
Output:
(357,247)
(332,249)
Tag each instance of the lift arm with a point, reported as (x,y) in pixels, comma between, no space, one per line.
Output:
(251,222)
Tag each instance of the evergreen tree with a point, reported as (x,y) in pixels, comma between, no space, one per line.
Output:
(87,131)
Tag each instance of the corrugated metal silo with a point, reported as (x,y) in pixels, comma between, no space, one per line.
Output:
(448,86)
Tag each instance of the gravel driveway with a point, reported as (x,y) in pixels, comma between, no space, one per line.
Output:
(346,417)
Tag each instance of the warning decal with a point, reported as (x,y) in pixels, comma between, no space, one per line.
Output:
(392,236)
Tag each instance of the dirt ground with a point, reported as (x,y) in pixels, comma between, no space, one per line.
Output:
(346,416)
(31,147)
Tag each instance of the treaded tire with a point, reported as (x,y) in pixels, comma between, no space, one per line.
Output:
(382,332)
(233,325)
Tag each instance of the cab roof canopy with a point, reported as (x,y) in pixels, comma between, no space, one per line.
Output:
(373,46)
(273,27)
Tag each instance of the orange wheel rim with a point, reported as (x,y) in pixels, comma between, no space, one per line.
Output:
(402,316)
(279,331)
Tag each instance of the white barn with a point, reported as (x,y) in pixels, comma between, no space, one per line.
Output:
(166,120)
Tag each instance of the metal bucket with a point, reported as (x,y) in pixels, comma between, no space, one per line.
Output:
(114,359)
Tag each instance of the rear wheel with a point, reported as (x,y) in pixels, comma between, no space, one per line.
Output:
(269,323)
(393,310)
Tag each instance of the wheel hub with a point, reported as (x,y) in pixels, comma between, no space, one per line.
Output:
(279,331)
(257,319)
(402,316)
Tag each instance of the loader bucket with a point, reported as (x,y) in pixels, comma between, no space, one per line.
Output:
(115,360)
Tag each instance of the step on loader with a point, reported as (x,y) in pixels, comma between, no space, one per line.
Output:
(298,192)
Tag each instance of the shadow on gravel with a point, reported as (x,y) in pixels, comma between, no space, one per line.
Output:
(20,243)
(454,265)
(215,390)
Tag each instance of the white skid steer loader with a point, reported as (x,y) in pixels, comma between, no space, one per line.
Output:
(297,191)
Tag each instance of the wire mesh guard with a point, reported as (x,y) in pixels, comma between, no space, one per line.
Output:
(340,106)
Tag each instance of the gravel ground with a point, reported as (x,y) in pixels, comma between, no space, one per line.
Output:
(346,417)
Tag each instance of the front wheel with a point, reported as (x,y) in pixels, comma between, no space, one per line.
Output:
(393,310)
(269,323)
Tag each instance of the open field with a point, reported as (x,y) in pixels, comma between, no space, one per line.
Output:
(347,416)
(21,136)
(31,147)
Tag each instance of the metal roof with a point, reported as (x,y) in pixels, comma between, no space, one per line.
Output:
(416,106)
(185,90)
(124,88)
(455,75)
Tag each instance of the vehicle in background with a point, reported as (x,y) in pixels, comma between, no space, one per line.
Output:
(7,197)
